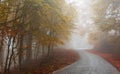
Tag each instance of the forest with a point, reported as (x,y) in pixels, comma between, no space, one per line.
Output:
(31,29)
(105,33)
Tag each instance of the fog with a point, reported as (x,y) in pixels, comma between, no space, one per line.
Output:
(84,20)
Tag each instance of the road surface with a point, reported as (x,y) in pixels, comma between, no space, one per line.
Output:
(89,64)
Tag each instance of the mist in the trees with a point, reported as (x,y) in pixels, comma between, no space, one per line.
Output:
(83,22)
(31,30)
(99,20)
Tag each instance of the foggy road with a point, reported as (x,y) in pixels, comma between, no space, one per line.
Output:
(89,64)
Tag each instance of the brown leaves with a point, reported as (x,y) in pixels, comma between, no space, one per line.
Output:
(53,63)
(112,58)
(8,31)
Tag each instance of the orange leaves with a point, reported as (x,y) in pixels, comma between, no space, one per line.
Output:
(51,63)
(8,31)
(12,33)
(58,61)
(112,58)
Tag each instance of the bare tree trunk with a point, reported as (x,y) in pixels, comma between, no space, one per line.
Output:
(29,44)
(11,55)
(7,57)
(1,55)
(20,53)
(43,50)
(49,49)
(36,54)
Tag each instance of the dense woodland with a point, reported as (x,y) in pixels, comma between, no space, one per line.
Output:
(105,34)
(30,29)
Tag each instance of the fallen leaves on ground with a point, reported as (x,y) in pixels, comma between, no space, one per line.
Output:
(112,58)
(59,59)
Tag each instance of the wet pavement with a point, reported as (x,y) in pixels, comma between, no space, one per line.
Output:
(89,64)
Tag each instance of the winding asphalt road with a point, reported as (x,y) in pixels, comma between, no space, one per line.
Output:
(89,64)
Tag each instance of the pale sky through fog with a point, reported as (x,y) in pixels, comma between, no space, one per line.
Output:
(84,19)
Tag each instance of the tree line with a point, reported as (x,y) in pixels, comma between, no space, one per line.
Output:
(106,35)
(30,29)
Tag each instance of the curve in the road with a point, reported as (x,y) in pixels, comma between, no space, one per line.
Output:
(89,64)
